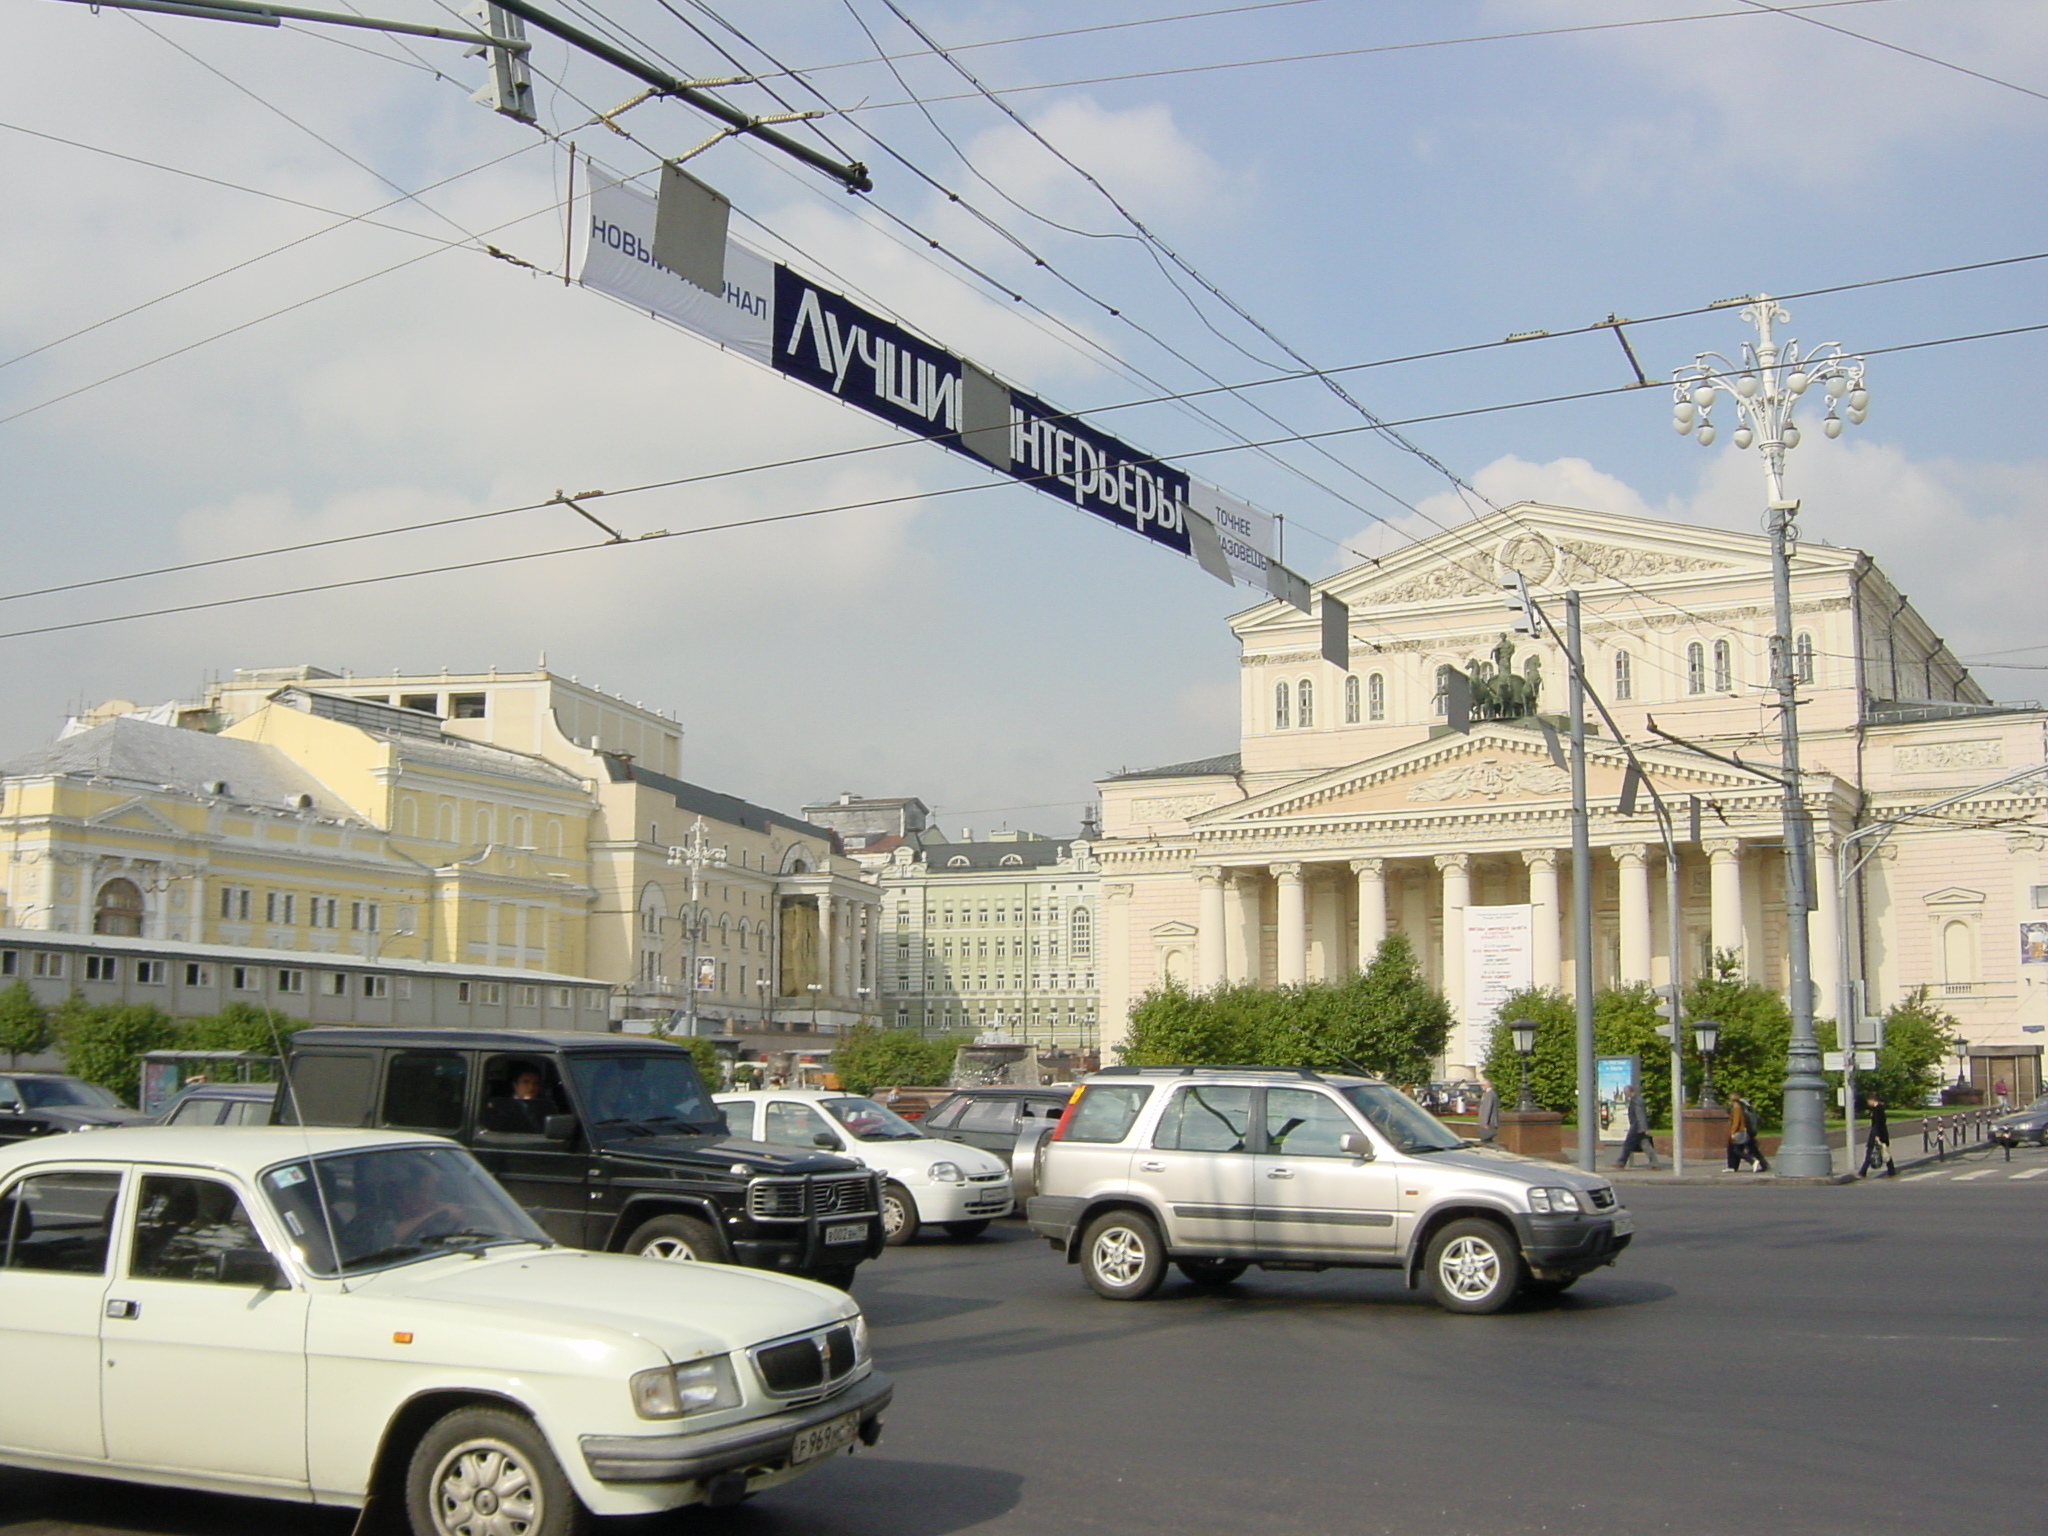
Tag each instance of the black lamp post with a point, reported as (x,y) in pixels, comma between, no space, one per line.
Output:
(1706,1034)
(1524,1033)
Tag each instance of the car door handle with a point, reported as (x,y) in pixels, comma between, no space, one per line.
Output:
(1279,1173)
(129,1309)
(1152,1167)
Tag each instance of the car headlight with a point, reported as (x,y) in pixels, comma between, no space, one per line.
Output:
(860,1338)
(672,1391)
(946,1173)
(1554,1200)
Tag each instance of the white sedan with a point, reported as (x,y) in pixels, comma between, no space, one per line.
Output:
(944,1183)
(345,1318)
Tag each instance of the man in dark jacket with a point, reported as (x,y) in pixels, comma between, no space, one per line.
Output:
(1489,1112)
(1638,1138)
(1878,1149)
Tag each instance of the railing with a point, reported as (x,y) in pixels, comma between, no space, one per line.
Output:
(1943,1134)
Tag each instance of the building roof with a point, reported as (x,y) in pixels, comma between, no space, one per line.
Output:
(418,738)
(1035,853)
(1228,762)
(136,754)
(730,809)
(290,959)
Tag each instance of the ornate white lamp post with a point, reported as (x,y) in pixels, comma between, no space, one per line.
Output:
(1765,389)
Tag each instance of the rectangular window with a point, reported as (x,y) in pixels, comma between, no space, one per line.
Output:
(425,703)
(593,1001)
(184,1227)
(150,973)
(291,981)
(558,997)
(376,986)
(246,978)
(60,1222)
(336,984)
(1105,1112)
(197,975)
(10,962)
(466,706)
(401,988)
(102,968)
(462,991)
(490,993)
(49,964)
(362,916)
(526,997)
(424,1090)
(278,906)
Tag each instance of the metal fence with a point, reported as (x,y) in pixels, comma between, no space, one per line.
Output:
(1943,1134)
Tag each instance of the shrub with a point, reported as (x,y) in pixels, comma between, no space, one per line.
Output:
(104,1044)
(24,1023)
(870,1057)
(1625,1021)
(1756,1030)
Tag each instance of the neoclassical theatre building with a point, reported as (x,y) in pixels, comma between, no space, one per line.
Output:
(1351,808)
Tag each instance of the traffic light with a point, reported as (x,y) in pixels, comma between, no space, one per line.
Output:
(508,88)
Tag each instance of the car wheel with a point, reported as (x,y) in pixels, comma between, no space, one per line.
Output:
(678,1239)
(1211,1271)
(1473,1266)
(489,1472)
(1123,1255)
(965,1231)
(899,1215)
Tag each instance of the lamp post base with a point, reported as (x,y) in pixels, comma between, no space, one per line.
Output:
(1532,1133)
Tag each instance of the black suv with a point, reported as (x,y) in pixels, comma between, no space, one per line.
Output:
(610,1141)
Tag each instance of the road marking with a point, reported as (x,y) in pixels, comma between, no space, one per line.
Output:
(2031,1173)
(1981,1173)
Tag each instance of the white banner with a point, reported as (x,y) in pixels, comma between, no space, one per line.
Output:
(1498,944)
(618,259)
(1246,534)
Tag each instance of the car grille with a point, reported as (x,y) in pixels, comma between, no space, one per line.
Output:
(985,1178)
(808,1365)
(822,1195)
(1603,1198)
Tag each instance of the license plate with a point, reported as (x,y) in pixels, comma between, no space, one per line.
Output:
(853,1232)
(1624,1224)
(824,1439)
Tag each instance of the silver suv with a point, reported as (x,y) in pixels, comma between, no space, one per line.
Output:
(1215,1169)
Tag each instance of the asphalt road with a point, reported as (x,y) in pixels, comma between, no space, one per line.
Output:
(1799,1360)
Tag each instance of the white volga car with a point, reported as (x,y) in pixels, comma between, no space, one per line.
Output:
(944,1183)
(359,1317)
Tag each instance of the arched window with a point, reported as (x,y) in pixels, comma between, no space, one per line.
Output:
(408,816)
(551,840)
(1305,704)
(1283,698)
(1081,931)
(745,932)
(1802,658)
(1351,699)
(1958,953)
(725,932)
(1624,675)
(1695,668)
(1376,697)
(518,831)
(483,829)
(1441,703)
(444,824)
(1724,667)
(118,912)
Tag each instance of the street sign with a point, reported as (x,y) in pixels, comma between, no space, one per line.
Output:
(1833,1061)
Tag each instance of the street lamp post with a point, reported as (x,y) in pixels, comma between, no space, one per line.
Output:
(1524,1032)
(1766,386)
(814,988)
(766,987)
(1706,1034)
(695,853)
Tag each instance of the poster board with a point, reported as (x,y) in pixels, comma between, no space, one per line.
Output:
(1611,1074)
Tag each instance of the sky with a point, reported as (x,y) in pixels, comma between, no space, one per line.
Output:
(249,305)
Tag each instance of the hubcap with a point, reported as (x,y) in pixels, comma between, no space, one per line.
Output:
(673,1249)
(483,1489)
(892,1215)
(1119,1256)
(1470,1268)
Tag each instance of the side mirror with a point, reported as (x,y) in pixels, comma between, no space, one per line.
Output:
(249,1266)
(1354,1144)
(826,1140)
(559,1128)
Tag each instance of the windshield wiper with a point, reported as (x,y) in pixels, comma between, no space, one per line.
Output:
(482,1238)
(644,1127)
(383,1255)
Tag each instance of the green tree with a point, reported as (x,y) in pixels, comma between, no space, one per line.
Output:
(870,1057)
(104,1044)
(1909,1063)
(24,1023)
(709,1059)
(1625,1021)
(1226,1026)
(1756,1031)
(240,1027)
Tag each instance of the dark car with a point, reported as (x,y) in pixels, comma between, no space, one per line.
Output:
(221,1104)
(49,1103)
(2029,1124)
(610,1141)
(1005,1121)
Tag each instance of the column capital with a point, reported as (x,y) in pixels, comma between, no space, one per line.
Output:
(1377,868)
(1624,852)
(1289,871)
(1722,847)
(1461,862)
(1540,858)
(1209,874)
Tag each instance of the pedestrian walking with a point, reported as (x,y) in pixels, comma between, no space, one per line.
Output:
(2000,1095)
(1742,1143)
(1489,1111)
(1878,1149)
(1638,1138)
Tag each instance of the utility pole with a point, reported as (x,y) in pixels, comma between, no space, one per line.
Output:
(695,854)
(1582,887)
(1765,387)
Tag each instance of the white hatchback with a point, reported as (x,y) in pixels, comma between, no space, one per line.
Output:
(941,1183)
(351,1318)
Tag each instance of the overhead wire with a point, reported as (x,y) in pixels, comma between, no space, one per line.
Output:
(1791,13)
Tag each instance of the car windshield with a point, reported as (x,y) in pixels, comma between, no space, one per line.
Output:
(44,1092)
(2040,1103)
(350,1212)
(869,1121)
(652,1095)
(1409,1126)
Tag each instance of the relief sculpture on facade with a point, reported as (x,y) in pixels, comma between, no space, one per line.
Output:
(1489,780)
(1170,807)
(1931,756)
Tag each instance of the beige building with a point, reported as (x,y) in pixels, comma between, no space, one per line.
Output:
(1350,809)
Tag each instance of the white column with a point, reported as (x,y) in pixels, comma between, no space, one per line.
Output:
(1545,945)
(1249,927)
(1372,907)
(1291,942)
(1325,927)
(828,953)
(1724,873)
(1211,959)
(1113,966)
(1457,878)
(1825,937)
(1635,910)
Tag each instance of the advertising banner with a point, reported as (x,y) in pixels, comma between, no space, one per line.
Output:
(1611,1074)
(804,331)
(1498,946)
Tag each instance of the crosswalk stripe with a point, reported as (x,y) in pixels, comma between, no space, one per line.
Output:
(2031,1173)
(1981,1173)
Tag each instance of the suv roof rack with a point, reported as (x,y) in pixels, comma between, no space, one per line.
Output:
(1303,1072)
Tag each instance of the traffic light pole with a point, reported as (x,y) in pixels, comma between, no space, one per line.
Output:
(1582,888)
